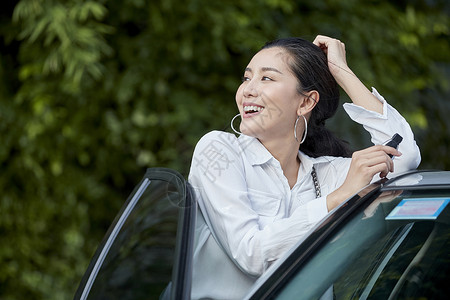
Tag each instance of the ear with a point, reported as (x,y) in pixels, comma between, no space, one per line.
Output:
(308,102)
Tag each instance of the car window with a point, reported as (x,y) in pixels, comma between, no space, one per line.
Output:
(372,257)
(136,257)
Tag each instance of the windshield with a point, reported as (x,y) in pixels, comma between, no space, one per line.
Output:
(382,253)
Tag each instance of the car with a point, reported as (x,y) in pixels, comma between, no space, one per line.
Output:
(389,241)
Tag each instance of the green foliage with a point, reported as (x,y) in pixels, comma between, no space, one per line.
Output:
(94,92)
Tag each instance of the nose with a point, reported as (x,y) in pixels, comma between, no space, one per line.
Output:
(250,88)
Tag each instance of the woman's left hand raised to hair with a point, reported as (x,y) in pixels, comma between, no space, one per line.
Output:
(344,76)
(335,51)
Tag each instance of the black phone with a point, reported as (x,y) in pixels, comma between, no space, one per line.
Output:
(394,142)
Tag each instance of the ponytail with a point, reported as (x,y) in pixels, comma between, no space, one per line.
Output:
(322,142)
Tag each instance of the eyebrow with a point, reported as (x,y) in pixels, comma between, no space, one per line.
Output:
(264,69)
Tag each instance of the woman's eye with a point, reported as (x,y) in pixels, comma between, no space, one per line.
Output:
(265,78)
(245,78)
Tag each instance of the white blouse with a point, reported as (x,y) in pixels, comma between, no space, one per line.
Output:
(249,216)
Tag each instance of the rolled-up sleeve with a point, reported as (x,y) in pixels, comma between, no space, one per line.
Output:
(383,126)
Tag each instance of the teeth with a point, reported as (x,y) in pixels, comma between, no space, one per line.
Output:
(253,108)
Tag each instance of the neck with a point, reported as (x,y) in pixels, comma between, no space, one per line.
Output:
(287,154)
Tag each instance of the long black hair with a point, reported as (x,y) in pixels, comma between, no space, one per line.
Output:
(309,64)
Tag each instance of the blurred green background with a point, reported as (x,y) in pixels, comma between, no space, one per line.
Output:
(94,92)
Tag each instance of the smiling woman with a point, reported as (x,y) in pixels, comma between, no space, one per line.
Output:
(260,193)
(269,85)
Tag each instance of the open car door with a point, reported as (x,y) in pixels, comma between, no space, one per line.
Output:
(139,248)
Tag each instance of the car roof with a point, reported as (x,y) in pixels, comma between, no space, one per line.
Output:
(419,180)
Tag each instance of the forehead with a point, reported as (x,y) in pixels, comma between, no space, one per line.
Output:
(275,57)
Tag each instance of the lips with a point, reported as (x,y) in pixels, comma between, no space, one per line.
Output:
(251,109)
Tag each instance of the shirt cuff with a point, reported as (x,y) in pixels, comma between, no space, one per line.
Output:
(317,209)
(357,112)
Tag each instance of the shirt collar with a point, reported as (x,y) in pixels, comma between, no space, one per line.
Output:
(256,153)
(308,162)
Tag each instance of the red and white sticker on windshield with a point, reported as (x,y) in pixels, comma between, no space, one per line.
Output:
(418,208)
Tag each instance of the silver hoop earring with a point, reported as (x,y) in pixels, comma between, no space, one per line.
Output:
(304,133)
(232,127)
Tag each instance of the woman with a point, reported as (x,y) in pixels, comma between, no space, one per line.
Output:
(258,194)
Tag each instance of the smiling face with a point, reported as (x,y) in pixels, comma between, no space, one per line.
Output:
(268,98)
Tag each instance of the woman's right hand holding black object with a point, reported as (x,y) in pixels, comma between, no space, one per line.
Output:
(364,166)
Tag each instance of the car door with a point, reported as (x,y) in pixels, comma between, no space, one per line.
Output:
(140,252)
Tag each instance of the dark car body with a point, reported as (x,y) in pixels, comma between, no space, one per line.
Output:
(389,241)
